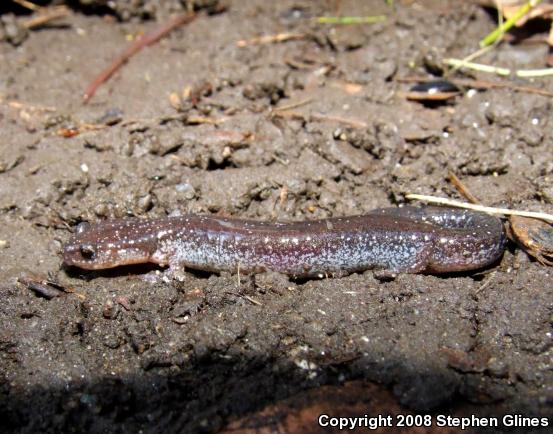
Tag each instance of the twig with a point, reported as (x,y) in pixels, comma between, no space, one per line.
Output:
(155,120)
(483,84)
(320,117)
(41,287)
(23,106)
(487,209)
(504,27)
(270,39)
(523,73)
(197,120)
(486,282)
(293,105)
(136,46)
(469,58)
(461,188)
(460,63)
(351,122)
(27,5)
(529,73)
(43,18)
(252,300)
(72,132)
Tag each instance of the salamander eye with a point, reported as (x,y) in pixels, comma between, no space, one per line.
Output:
(82,227)
(87,251)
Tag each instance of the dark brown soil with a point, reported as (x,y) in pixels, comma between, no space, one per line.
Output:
(123,352)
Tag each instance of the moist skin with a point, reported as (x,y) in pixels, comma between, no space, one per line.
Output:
(407,239)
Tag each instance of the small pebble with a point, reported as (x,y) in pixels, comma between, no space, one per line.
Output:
(186,190)
(109,310)
(101,210)
(14,32)
(145,203)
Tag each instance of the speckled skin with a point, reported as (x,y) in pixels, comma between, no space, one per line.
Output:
(409,239)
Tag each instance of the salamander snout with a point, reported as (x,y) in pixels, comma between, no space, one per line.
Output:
(78,252)
(97,256)
(88,249)
(83,255)
(107,245)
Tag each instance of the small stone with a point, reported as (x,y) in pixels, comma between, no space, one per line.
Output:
(186,190)
(497,367)
(145,203)
(101,210)
(109,310)
(14,32)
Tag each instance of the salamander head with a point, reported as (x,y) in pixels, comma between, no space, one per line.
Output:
(108,245)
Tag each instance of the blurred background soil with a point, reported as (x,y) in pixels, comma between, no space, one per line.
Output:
(312,126)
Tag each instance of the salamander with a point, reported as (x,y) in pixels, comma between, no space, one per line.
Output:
(405,239)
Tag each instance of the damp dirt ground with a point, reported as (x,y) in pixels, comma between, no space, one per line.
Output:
(310,127)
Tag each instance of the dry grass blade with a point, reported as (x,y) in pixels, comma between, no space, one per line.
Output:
(475,207)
